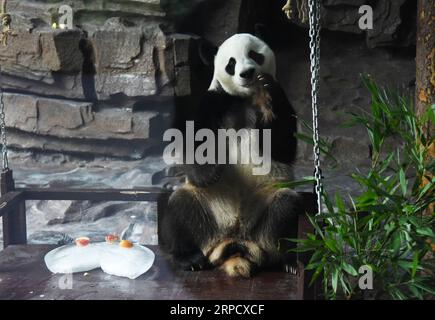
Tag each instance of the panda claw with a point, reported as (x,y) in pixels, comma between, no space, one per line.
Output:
(291,270)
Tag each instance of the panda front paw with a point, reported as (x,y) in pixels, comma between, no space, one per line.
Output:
(263,96)
(265,80)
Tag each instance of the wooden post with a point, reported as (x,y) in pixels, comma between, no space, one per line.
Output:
(425,59)
(14,221)
(425,63)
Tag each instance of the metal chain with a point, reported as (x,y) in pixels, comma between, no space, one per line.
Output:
(3,138)
(314,20)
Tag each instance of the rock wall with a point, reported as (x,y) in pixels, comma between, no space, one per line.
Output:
(90,90)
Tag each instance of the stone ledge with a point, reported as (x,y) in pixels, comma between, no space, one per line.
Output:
(35,54)
(71,119)
(134,149)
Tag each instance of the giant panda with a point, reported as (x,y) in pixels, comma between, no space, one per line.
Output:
(224,216)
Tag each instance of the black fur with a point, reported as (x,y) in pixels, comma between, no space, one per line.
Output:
(257,57)
(280,222)
(186,224)
(231,67)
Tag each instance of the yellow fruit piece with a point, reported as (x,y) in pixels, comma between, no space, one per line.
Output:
(126,244)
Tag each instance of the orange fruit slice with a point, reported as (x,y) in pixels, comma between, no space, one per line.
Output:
(126,244)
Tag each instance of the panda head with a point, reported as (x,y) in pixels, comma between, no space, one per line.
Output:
(238,61)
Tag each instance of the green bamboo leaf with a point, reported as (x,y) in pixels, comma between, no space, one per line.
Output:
(339,203)
(344,286)
(349,269)
(316,257)
(398,295)
(426,231)
(316,274)
(414,265)
(396,243)
(330,243)
(312,266)
(405,264)
(425,288)
(334,280)
(426,189)
(416,292)
(403,182)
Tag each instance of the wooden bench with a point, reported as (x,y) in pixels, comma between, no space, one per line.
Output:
(23,274)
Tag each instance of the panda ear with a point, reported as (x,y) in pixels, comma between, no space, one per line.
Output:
(207,52)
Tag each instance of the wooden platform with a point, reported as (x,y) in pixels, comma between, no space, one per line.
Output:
(23,275)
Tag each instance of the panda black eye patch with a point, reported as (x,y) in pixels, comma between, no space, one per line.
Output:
(257,57)
(231,67)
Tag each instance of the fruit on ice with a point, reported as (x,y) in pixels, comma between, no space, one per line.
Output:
(111,238)
(126,244)
(82,241)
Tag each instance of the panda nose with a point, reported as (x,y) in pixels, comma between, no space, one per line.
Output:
(248,74)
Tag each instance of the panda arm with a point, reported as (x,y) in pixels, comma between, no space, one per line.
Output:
(284,148)
(284,124)
(208,116)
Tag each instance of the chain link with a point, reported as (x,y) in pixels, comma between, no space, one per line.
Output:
(3,138)
(314,20)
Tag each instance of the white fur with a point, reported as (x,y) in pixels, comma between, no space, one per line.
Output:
(238,47)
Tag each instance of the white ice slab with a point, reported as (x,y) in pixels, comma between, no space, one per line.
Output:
(113,259)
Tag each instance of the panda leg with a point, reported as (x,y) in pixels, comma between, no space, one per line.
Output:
(186,227)
(278,223)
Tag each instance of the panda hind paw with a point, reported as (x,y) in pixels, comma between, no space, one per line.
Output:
(292,269)
(196,262)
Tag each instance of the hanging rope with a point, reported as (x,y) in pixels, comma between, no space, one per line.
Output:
(301,6)
(314,19)
(6,20)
